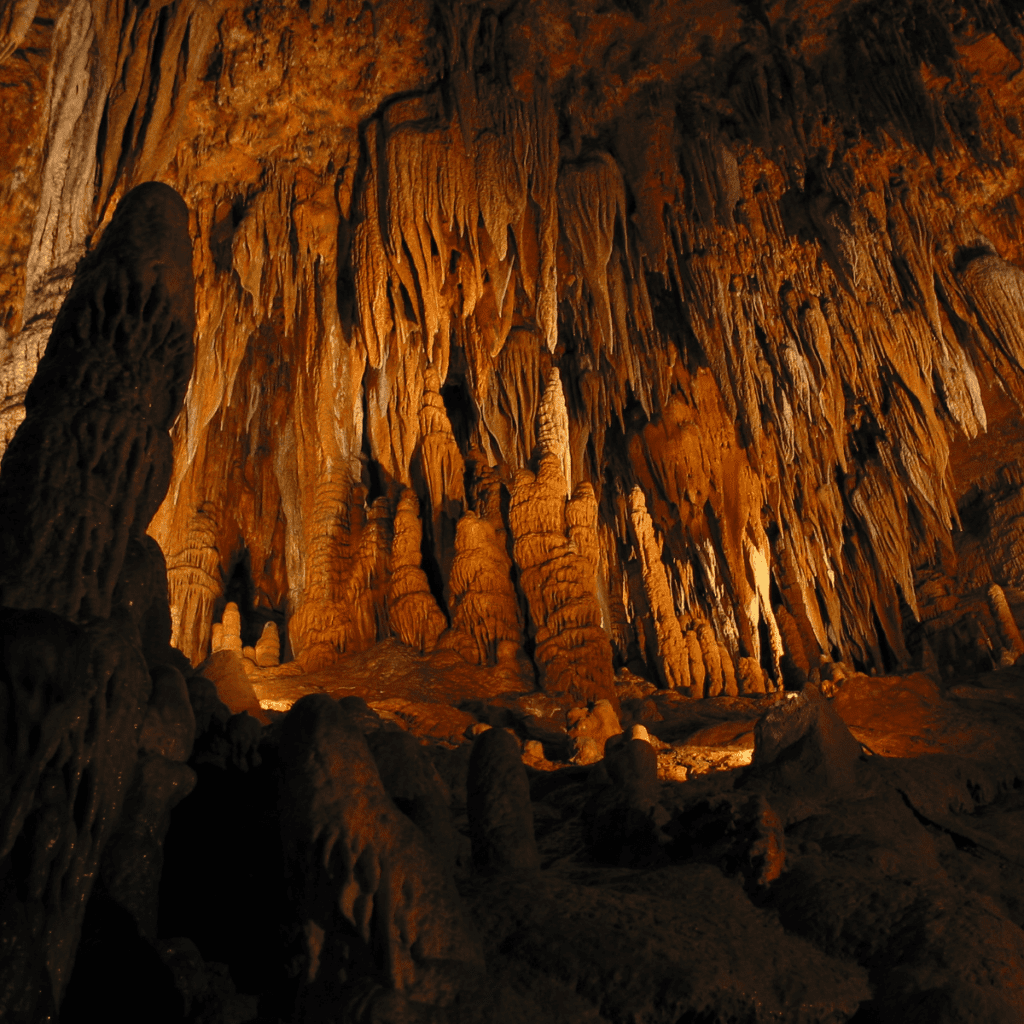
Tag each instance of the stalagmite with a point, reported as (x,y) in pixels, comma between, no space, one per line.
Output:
(669,649)
(498,803)
(1009,632)
(347,610)
(573,654)
(112,380)
(792,643)
(750,677)
(581,516)
(80,482)
(268,647)
(231,629)
(486,626)
(443,471)
(412,609)
(194,586)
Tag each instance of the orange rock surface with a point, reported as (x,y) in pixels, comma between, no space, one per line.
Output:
(433,253)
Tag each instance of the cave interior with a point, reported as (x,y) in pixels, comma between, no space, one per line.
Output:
(512,510)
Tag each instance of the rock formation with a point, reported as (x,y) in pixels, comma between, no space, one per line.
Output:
(106,392)
(415,617)
(92,737)
(486,620)
(498,803)
(375,905)
(496,266)
(559,369)
(572,652)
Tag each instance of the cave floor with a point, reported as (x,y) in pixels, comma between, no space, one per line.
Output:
(440,698)
(914,860)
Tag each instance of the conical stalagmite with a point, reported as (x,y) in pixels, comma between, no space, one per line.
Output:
(573,654)
(669,649)
(412,609)
(268,647)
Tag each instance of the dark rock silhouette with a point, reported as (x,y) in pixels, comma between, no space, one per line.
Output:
(90,465)
(412,782)
(382,921)
(624,824)
(79,484)
(498,803)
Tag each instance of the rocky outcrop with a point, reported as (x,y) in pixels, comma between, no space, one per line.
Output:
(498,803)
(80,482)
(374,904)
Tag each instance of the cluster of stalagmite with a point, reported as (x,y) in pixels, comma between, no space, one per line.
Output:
(572,653)
(753,308)
(486,623)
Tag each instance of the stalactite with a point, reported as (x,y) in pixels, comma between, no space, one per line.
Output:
(553,427)
(781,351)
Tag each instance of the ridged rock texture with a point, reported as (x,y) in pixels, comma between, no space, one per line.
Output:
(711,313)
(381,919)
(94,719)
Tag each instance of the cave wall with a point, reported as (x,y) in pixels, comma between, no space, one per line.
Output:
(681,334)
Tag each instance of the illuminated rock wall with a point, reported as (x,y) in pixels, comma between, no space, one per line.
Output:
(740,285)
